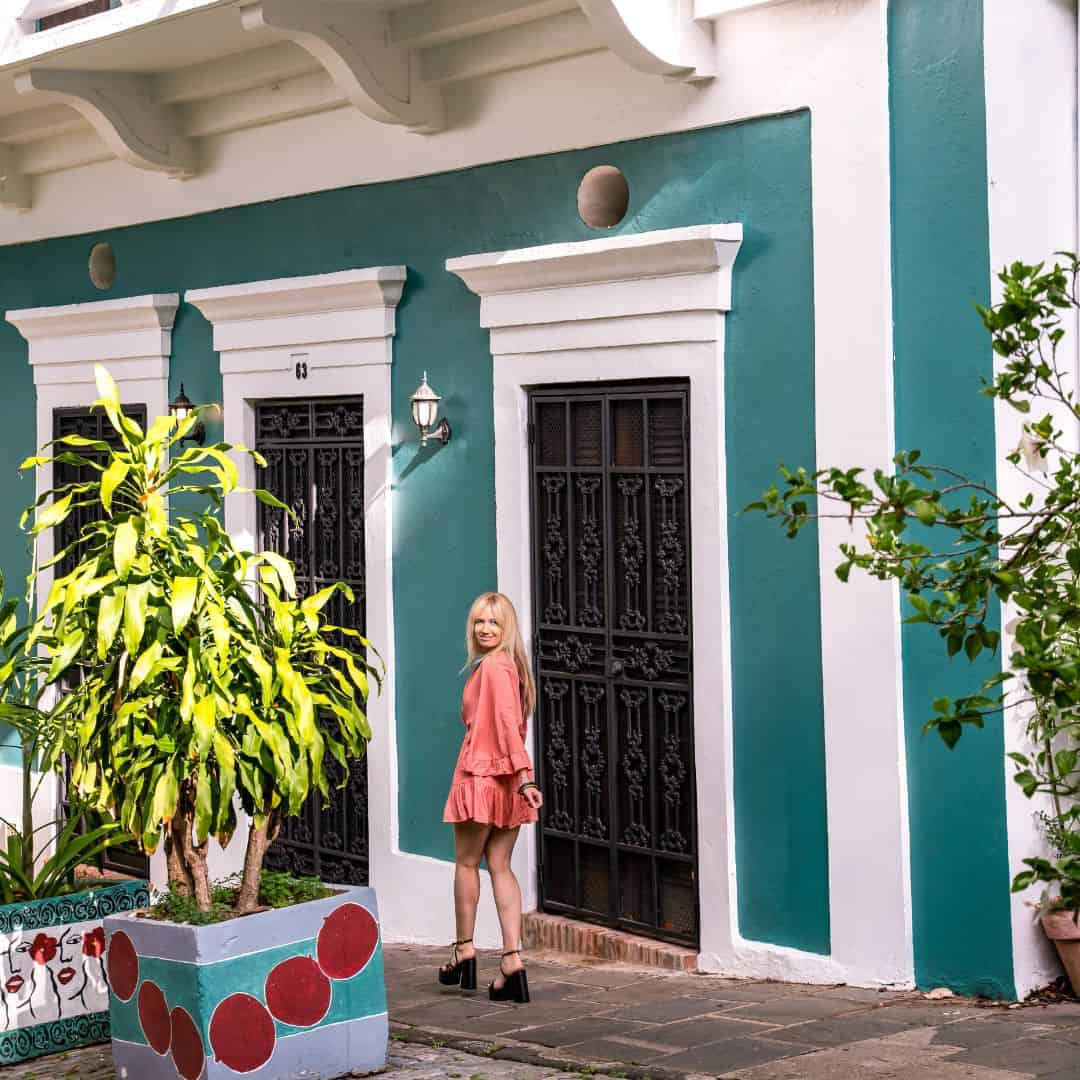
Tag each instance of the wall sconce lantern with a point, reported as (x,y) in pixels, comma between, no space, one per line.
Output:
(181,407)
(425,410)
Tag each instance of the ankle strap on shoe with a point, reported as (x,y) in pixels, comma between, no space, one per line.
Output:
(512,952)
(464,941)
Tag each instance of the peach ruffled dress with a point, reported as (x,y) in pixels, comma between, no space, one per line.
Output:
(484,787)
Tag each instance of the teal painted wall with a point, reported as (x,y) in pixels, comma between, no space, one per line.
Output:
(757,173)
(959,851)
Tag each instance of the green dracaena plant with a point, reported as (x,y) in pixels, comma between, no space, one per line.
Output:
(200,678)
(25,874)
(955,546)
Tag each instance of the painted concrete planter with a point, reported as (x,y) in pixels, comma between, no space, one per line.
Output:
(290,993)
(53,989)
(1063,929)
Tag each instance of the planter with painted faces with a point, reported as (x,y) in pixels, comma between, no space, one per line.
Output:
(53,984)
(292,992)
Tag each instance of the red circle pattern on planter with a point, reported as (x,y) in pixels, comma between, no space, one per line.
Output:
(154,1017)
(346,941)
(188,1054)
(297,992)
(123,964)
(242,1033)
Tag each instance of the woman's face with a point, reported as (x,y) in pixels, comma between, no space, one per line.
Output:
(487,631)
(21,956)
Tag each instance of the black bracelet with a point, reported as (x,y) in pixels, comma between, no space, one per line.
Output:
(528,784)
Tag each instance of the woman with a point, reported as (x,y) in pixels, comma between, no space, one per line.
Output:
(493,792)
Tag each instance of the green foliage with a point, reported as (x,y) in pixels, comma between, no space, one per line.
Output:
(23,875)
(22,879)
(200,676)
(276,890)
(954,545)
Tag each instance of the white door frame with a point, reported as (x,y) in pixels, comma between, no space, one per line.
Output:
(341,326)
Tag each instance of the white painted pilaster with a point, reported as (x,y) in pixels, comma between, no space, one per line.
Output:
(1032,172)
(132,338)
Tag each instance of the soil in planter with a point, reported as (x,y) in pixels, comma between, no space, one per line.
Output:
(276,890)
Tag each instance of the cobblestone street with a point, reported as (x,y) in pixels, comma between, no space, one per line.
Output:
(408,1061)
(589,1017)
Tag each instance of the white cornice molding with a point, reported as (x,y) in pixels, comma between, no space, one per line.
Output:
(668,285)
(132,336)
(322,310)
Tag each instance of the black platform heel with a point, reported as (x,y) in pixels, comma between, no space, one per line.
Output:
(515,986)
(460,972)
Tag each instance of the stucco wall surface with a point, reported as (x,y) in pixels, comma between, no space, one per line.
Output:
(757,173)
(959,851)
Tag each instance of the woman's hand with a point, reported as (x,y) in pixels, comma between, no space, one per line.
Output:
(530,794)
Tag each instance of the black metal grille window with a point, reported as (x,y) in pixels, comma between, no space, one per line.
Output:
(612,648)
(314,451)
(123,858)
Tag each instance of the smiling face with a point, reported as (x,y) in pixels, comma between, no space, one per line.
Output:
(486,630)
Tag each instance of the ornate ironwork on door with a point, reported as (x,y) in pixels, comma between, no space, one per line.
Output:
(314,451)
(612,647)
(123,858)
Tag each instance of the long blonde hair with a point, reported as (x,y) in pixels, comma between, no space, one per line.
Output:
(505,615)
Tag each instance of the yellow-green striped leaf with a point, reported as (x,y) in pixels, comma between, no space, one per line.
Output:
(125,544)
(111,479)
(110,611)
(52,514)
(204,806)
(183,600)
(135,615)
(205,722)
(144,665)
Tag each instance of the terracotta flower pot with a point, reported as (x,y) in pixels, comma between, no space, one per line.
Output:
(1063,929)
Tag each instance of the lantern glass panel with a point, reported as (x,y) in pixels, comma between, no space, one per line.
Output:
(424,413)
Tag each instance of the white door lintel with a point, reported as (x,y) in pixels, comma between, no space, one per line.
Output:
(624,308)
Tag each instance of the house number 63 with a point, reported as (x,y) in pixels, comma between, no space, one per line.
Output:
(301,369)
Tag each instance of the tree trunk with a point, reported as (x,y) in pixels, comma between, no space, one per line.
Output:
(180,880)
(190,856)
(259,840)
(195,860)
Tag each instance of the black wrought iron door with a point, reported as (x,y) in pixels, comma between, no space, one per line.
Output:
(123,858)
(612,647)
(314,451)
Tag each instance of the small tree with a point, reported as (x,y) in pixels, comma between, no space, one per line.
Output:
(201,676)
(954,544)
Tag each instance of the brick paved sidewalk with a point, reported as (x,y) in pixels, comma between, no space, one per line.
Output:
(638,1023)
(590,1017)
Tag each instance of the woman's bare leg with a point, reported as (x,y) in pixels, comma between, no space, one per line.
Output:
(470,838)
(500,846)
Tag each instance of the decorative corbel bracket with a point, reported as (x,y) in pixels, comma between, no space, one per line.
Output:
(352,44)
(14,185)
(660,37)
(122,110)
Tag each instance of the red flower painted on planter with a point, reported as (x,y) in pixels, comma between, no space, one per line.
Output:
(43,949)
(93,942)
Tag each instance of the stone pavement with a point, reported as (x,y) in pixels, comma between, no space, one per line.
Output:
(597,1018)
(408,1061)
